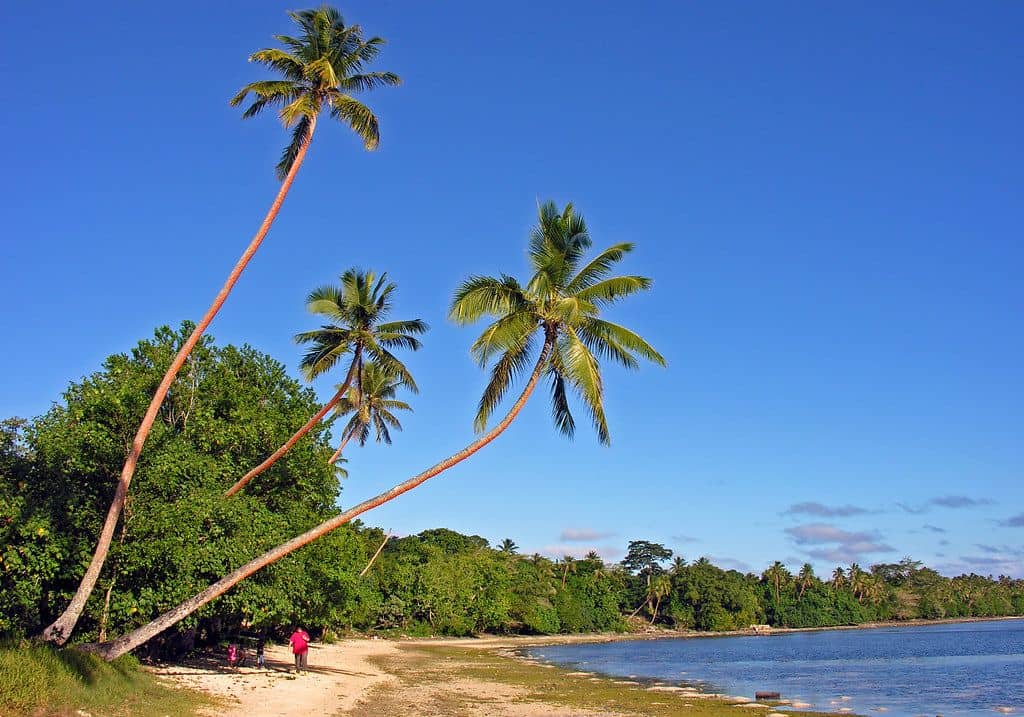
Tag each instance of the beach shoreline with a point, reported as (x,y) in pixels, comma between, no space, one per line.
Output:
(484,675)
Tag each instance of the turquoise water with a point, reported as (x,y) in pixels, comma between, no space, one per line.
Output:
(966,669)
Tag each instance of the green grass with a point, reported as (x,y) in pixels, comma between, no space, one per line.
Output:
(431,665)
(40,681)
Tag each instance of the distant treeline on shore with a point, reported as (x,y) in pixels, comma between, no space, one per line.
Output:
(179,534)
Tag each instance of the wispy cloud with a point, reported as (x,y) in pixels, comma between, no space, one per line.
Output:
(685,539)
(582,535)
(1016,521)
(934,528)
(837,545)
(824,511)
(959,501)
(956,502)
(1011,564)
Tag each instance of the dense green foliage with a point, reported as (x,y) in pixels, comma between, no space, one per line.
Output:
(41,680)
(179,533)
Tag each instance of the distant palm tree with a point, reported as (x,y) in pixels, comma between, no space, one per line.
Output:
(371,401)
(358,308)
(508,547)
(657,591)
(838,578)
(806,578)
(322,68)
(560,308)
(568,566)
(777,575)
(678,565)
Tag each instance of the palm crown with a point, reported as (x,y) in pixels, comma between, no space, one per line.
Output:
(321,68)
(371,401)
(357,309)
(560,307)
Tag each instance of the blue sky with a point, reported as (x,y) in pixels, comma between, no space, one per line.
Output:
(829,199)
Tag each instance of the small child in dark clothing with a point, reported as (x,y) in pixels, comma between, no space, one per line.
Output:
(259,653)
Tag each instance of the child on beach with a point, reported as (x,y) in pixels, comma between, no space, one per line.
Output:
(260,662)
(300,648)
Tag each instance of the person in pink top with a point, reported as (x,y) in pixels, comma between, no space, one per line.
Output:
(300,648)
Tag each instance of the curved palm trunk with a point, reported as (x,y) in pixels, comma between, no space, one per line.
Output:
(276,455)
(61,629)
(126,643)
(337,453)
(364,571)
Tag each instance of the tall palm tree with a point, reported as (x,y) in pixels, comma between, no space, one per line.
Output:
(806,578)
(678,565)
(371,401)
(777,575)
(322,68)
(508,546)
(559,307)
(838,578)
(358,308)
(657,591)
(568,566)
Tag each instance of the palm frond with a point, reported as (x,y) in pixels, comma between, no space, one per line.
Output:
(598,267)
(481,296)
(608,291)
(628,340)
(368,81)
(284,62)
(358,116)
(506,334)
(300,136)
(560,411)
(505,371)
(584,373)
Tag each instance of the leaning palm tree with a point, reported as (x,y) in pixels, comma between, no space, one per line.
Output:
(658,590)
(371,401)
(558,308)
(357,309)
(322,68)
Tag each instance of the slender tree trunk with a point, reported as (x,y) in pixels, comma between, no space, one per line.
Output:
(365,570)
(337,453)
(126,643)
(276,455)
(61,629)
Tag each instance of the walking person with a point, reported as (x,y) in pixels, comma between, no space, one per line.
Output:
(300,648)
(260,660)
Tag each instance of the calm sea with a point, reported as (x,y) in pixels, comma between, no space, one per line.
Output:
(966,669)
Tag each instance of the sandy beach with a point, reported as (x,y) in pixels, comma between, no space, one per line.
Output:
(471,677)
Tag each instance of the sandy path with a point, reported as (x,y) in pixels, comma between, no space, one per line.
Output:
(338,676)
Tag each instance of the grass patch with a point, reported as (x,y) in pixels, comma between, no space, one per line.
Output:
(423,669)
(41,681)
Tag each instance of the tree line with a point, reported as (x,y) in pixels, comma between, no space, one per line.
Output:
(179,533)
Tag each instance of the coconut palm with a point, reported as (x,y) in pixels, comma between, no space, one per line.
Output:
(358,308)
(322,68)
(657,591)
(508,547)
(806,578)
(371,401)
(568,566)
(678,565)
(559,309)
(776,575)
(838,578)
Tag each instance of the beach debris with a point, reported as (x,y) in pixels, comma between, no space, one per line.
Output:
(767,695)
